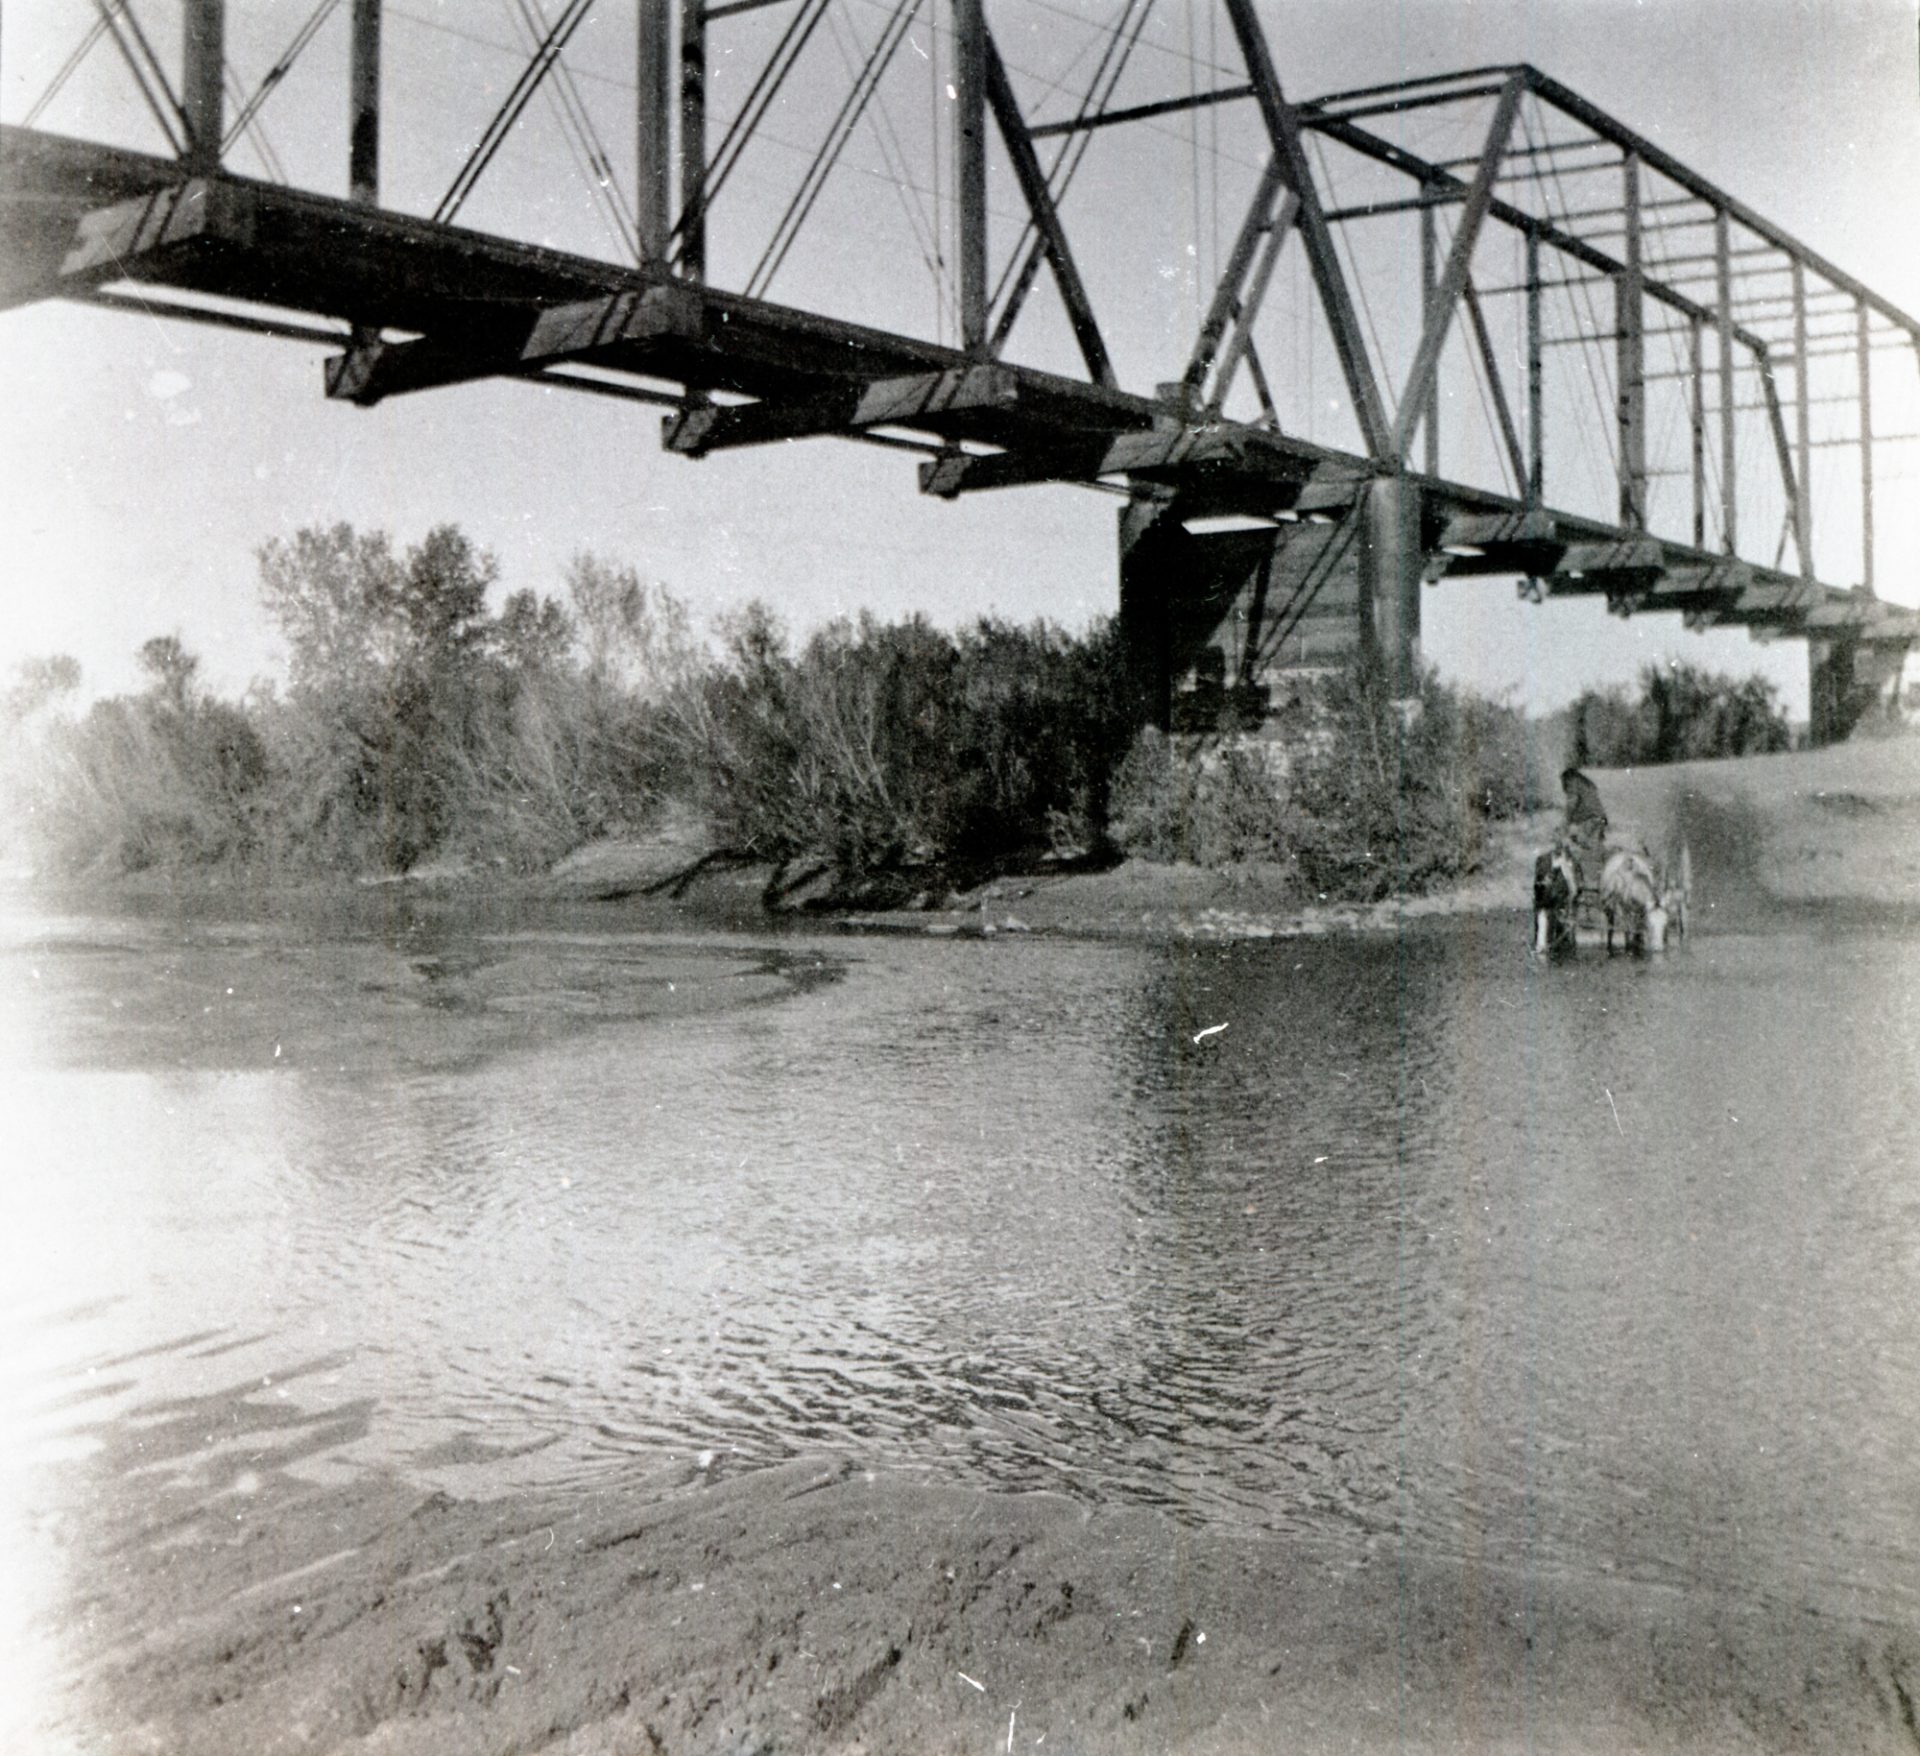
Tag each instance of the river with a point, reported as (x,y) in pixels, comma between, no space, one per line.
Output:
(1599,1268)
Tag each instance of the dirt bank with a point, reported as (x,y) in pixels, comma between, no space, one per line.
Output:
(813,1607)
(1838,827)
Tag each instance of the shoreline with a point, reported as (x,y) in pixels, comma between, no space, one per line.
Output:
(1836,828)
(817,1606)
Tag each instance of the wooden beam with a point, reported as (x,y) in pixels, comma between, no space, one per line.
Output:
(152,235)
(517,343)
(1287,464)
(914,401)
(1639,557)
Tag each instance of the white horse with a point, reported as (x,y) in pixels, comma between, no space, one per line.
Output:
(1635,900)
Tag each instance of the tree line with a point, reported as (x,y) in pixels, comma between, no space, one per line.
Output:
(426,714)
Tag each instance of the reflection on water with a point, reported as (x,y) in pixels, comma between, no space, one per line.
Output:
(1606,1267)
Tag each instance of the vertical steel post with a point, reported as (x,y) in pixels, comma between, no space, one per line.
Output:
(1803,427)
(363,105)
(970,166)
(1697,427)
(1723,300)
(693,140)
(1864,353)
(1629,306)
(1429,279)
(1536,387)
(201,90)
(653,68)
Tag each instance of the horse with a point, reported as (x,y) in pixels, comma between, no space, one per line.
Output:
(1556,885)
(1676,889)
(1634,898)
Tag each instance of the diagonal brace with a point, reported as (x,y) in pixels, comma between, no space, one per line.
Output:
(1453,278)
(1046,216)
(1490,359)
(1283,130)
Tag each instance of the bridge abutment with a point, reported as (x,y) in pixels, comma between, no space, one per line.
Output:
(1211,620)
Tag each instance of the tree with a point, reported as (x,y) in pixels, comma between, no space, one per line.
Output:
(172,670)
(38,683)
(329,592)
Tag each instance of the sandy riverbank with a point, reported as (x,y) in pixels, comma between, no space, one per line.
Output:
(1827,827)
(813,1607)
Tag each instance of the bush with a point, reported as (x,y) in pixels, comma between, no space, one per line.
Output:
(882,746)
(417,721)
(1198,799)
(1377,801)
(1395,803)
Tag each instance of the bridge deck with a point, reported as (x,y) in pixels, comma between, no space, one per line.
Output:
(420,305)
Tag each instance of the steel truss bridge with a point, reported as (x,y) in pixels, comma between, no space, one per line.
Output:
(1465,324)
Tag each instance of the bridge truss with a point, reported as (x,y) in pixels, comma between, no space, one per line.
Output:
(1465,324)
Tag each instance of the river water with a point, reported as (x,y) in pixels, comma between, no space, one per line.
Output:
(1607,1268)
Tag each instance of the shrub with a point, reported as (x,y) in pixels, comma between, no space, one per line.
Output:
(879,746)
(1398,803)
(1199,799)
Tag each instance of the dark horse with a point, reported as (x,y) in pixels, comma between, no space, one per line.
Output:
(1556,885)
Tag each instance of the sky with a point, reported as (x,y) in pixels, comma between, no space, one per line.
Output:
(144,461)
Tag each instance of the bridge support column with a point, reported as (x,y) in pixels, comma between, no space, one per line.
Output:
(1848,681)
(1150,542)
(1391,567)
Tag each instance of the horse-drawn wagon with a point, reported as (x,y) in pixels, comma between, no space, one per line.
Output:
(1596,883)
